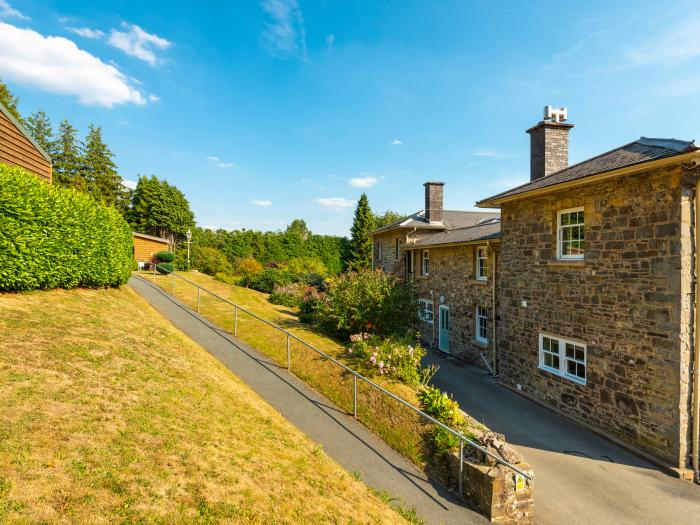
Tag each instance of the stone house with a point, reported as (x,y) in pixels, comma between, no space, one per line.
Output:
(591,290)
(597,287)
(450,257)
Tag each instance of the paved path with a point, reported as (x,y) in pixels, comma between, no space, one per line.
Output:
(345,440)
(580,477)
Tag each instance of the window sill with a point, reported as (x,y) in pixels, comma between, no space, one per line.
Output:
(574,263)
(481,282)
(481,344)
(558,373)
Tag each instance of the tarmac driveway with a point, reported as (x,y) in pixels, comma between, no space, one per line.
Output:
(580,477)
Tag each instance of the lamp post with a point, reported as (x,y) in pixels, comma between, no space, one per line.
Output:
(189,239)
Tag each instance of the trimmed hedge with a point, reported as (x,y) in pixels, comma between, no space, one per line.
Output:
(165,256)
(52,237)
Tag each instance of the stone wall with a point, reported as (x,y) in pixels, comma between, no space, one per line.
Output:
(389,262)
(629,302)
(452,276)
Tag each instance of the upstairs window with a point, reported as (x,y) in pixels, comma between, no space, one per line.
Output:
(425,310)
(482,324)
(482,266)
(563,358)
(425,269)
(570,234)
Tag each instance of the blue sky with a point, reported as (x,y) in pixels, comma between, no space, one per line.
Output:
(265,111)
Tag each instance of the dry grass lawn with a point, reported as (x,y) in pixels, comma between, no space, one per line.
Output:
(108,414)
(397,425)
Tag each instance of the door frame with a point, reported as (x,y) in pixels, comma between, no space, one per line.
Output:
(442,309)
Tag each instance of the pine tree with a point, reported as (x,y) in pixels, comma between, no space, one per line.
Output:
(99,169)
(67,164)
(9,100)
(39,126)
(361,241)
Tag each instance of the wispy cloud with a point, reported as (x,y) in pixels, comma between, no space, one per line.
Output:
(285,35)
(219,163)
(675,45)
(212,158)
(86,32)
(57,65)
(153,98)
(396,142)
(330,40)
(364,182)
(138,43)
(263,203)
(335,203)
(489,153)
(7,11)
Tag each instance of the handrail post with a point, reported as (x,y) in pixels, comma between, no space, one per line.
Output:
(199,290)
(173,284)
(354,396)
(235,320)
(153,266)
(289,354)
(461,467)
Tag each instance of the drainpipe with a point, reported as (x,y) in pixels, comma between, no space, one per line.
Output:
(494,344)
(696,349)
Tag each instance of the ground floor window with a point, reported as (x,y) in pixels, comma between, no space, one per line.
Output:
(482,329)
(425,310)
(563,357)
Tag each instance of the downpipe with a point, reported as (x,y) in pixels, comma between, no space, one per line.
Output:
(696,345)
(494,340)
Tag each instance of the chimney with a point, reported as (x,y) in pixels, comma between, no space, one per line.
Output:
(433,201)
(549,143)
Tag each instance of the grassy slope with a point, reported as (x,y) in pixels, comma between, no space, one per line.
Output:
(396,424)
(109,414)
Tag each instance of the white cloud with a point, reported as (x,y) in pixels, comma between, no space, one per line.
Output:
(487,153)
(285,36)
(364,182)
(137,43)
(225,165)
(7,11)
(676,45)
(263,203)
(212,158)
(57,65)
(153,98)
(86,32)
(396,142)
(131,184)
(335,203)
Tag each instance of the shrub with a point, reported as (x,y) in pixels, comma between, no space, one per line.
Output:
(394,357)
(308,270)
(288,295)
(369,301)
(209,260)
(54,237)
(309,305)
(247,269)
(268,279)
(165,268)
(165,256)
(446,411)
(227,278)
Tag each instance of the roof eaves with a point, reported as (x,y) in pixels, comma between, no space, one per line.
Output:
(24,132)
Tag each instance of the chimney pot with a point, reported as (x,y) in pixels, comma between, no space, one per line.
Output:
(549,143)
(433,201)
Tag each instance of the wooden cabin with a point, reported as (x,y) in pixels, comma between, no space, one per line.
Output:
(146,247)
(18,147)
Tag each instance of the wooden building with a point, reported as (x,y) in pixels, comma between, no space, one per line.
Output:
(18,148)
(146,246)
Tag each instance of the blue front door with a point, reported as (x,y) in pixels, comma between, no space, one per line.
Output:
(444,331)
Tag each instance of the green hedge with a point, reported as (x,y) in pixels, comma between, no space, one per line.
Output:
(52,237)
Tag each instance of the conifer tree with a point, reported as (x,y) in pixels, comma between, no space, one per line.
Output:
(67,163)
(361,241)
(99,169)
(39,125)
(9,100)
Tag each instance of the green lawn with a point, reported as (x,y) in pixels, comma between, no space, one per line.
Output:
(108,414)
(396,424)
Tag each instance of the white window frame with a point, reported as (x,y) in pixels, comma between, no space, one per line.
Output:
(560,237)
(481,320)
(425,308)
(379,248)
(425,263)
(482,257)
(564,358)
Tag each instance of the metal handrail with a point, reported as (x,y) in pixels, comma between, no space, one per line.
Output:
(356,375)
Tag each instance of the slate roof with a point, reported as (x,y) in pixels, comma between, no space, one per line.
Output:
(451,219)
(637,152)
(490,229)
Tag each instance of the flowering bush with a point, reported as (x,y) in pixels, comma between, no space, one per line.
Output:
(308,305)
(446,410)
(393,357)
(288,294)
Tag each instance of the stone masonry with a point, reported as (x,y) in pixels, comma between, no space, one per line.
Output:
(549,148)
(629,301)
